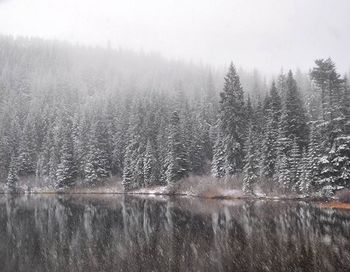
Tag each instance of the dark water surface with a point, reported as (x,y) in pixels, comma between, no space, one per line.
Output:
(116,233)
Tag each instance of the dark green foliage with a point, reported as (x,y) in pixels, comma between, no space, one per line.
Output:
(27,151)
(251,166)
(150,165)
(218,162)
(196,137)
(127,171)
(314,155)
(269,150)
(232,122)
(178,164)
(295,158)
(345,106)
(329,82)
(97,163)
(66,169)
(293,119)
(304,183)
(284,176)
(334,166)
(269,139)
(12,177)
(275,104)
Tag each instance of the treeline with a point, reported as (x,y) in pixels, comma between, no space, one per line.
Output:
(283,142)
(87,122)
(71,114)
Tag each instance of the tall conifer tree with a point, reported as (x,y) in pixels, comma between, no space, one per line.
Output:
(233,123)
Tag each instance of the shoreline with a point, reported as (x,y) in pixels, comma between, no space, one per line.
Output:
(164,193)
(324,203)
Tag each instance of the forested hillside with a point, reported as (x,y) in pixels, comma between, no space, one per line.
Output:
(71,113)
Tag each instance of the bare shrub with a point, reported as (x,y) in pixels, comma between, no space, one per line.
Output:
(208,186)
(34,184)
(266,186)
(343,196)
(108,185)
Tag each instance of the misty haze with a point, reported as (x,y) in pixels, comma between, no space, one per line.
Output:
(174,135)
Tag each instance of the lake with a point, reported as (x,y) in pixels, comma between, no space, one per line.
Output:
(127,233)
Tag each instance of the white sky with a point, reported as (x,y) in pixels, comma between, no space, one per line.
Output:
(266,34)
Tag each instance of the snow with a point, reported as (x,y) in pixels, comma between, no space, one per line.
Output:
(159,190)
(232,193)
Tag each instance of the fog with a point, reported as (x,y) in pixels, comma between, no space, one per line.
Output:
(266,35)
(129,141)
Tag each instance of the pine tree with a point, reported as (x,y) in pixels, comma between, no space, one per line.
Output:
(294,163)
(53,163)
(251,169)
(80,134)
(136,143)
(149,165)
(66,169)
(331,86)
(293,119)
(43,166)
(275,105)
(292,128)
(310,175)
(269,150)
(218,162)
(178,164)
(127,171)
(335,158)
(335,166)
(249,111)
(89,169)
(12,177)
(104,141)
(314,156)
(269,140)
(53,145)
(284,175)
(210,95)
(346,104)
(303,185)
(97,165)
(329,82)
(233,123)
(91,163)
(9,140)
(281,85)
(162,145)
(195,144)
(341,161)
(259,128)
(207,117)
(27,155)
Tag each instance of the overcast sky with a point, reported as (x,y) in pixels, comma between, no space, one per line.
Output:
(266,34)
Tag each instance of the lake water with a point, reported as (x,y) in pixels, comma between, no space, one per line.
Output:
(117,233)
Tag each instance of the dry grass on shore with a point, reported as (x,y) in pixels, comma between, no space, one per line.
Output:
(336,205)
(342,201)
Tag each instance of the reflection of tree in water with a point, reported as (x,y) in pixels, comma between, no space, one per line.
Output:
(135,234)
